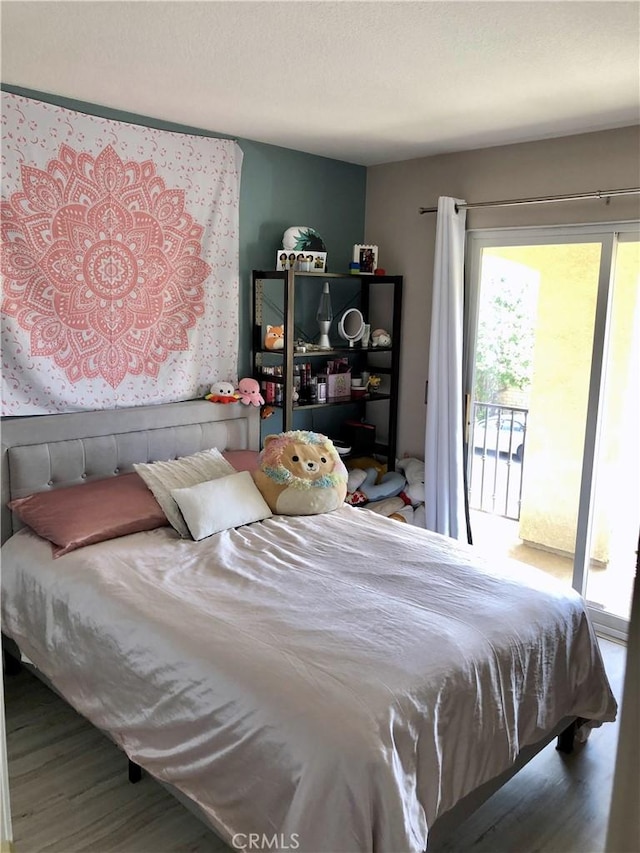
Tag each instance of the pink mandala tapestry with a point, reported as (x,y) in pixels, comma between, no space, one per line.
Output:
(119,261)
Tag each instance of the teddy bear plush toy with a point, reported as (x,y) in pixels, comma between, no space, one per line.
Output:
(301,473)
(249,392)
(380,338)
(414,472)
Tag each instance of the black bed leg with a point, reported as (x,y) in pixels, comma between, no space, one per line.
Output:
(566,738)
(11,664)
(135,772)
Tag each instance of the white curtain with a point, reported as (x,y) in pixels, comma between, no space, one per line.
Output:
(444,459)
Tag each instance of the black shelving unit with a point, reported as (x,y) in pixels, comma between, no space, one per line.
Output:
(275,304)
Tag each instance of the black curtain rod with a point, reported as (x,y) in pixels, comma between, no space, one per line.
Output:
(549,199)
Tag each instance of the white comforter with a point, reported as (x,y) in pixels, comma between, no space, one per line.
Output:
(341,680)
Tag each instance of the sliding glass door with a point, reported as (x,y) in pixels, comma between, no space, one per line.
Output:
(552,372)
(615,502)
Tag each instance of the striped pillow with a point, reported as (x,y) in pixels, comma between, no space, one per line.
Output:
(164,476)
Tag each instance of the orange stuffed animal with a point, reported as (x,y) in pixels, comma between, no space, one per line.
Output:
(274,338)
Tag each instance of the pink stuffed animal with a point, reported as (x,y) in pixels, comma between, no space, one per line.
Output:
(249,392)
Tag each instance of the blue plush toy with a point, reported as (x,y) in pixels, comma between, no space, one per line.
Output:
(391,484)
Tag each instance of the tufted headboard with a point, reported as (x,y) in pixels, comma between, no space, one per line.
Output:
(49,451)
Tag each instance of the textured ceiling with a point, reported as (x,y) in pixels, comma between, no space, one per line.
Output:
(366,82)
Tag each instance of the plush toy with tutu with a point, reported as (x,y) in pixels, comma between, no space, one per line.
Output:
(222,392)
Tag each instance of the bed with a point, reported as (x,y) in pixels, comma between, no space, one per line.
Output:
(340,682)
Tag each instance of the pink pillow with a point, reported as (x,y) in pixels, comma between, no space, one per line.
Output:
(75,516)
(242,460)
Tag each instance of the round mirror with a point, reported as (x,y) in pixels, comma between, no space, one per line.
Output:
(351,325)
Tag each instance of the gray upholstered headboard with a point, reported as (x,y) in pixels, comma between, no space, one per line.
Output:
(49,451)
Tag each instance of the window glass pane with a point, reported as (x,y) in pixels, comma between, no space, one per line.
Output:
(533,364)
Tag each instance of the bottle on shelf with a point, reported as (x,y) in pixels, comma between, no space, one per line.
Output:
(279,397)
(268,388)
(297,381)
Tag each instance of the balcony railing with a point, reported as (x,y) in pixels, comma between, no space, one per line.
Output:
(496,459)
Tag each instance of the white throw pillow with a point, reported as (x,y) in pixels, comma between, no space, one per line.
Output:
(164,476)
(220,504)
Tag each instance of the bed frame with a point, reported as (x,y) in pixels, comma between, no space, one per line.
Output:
(50,451)
(47,452)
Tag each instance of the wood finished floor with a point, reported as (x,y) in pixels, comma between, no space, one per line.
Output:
(70,793)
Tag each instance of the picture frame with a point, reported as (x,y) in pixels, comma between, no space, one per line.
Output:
(301,261)
(367,256)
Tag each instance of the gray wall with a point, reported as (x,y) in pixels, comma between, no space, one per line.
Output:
(395,191)
(278,188)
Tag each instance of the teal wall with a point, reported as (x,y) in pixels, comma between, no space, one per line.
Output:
(279,187)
